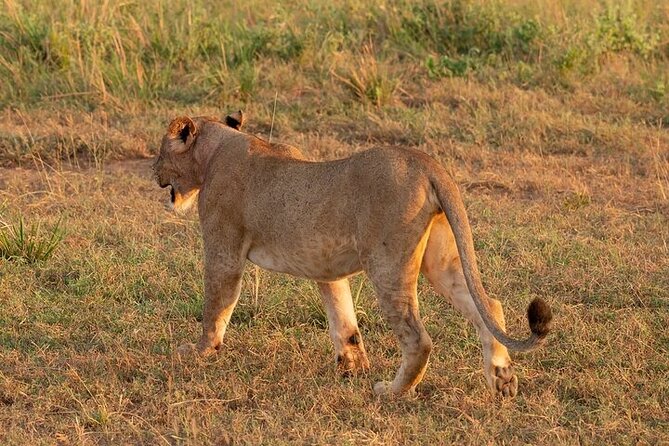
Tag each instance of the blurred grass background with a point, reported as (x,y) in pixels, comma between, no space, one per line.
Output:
(119,54)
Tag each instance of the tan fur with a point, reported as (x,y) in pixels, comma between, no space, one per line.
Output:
(390,213)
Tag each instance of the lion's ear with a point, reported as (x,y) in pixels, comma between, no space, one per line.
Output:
(182,129)
(235,120)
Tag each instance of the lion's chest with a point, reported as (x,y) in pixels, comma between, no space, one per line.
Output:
(323,259)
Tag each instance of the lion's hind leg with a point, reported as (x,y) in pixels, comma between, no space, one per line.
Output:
(350,353)
(400,309)
(394,273)
(442,267)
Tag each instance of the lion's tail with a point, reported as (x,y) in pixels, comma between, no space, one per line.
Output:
(538,313)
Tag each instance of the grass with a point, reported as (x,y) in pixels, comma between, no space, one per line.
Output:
(20,243)
(551,116)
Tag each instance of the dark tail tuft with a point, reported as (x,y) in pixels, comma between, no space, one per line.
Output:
(539,316)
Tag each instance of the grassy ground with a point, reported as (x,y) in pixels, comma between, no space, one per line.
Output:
(551,116)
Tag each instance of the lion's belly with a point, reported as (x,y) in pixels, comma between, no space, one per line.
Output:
(323,260)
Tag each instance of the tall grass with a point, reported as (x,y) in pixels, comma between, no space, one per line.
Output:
(181,51)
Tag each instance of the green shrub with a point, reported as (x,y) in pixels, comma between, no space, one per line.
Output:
(617,30)
(445,66)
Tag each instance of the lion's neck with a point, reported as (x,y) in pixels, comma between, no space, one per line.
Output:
(215,142)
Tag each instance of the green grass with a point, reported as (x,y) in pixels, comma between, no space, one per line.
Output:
(18,242)
(550,115)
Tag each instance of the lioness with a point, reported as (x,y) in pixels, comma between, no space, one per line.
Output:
(389,212)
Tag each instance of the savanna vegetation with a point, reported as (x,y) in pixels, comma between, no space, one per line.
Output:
(551,115)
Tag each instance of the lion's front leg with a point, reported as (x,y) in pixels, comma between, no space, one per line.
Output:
(222,283)
(350,351)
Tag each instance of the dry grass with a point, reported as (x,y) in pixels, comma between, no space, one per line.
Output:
(564,169)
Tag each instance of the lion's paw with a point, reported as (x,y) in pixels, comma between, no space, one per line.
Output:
(352,361)
(505,382)
(190,350)
(385,388)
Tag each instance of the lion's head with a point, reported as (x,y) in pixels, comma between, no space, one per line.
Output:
(178,165)
(174,166)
